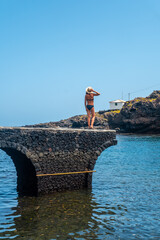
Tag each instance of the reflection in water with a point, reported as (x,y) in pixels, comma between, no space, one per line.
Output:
(53,215)
(68,215)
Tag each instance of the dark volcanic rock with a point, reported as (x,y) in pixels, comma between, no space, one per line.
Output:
(155,94)
(141,115)
(79,121)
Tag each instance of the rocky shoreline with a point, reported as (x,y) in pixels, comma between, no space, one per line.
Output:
(141,115)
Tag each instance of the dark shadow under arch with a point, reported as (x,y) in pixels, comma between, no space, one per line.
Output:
(26,174)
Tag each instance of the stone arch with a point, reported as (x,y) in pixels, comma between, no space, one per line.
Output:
(94,157)
(25,167)
(98,152)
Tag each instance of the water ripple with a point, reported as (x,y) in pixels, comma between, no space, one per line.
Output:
(123,204)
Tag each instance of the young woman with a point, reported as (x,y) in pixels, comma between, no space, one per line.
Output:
(89,104)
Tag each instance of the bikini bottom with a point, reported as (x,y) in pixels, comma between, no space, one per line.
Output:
(90,107)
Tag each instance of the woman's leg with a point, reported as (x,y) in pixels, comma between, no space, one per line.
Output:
(93,116)
(89,117)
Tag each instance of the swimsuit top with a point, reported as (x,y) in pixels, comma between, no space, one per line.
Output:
(90,99)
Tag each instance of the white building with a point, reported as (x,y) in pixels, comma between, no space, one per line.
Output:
(117,104)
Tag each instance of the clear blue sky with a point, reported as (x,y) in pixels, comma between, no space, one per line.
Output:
(51,50)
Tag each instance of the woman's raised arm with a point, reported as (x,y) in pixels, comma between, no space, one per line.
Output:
(95,93)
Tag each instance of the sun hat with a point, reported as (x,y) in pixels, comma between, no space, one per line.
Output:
(89,90)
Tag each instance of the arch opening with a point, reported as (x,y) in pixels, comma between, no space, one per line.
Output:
(26,173)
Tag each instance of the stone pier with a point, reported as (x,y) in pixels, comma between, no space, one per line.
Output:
(40,152)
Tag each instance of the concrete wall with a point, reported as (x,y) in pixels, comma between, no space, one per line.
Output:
(47,150)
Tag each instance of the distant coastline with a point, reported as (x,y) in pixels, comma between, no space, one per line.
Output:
(140,116)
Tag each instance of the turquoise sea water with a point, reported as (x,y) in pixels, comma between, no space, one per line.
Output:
(124,202)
